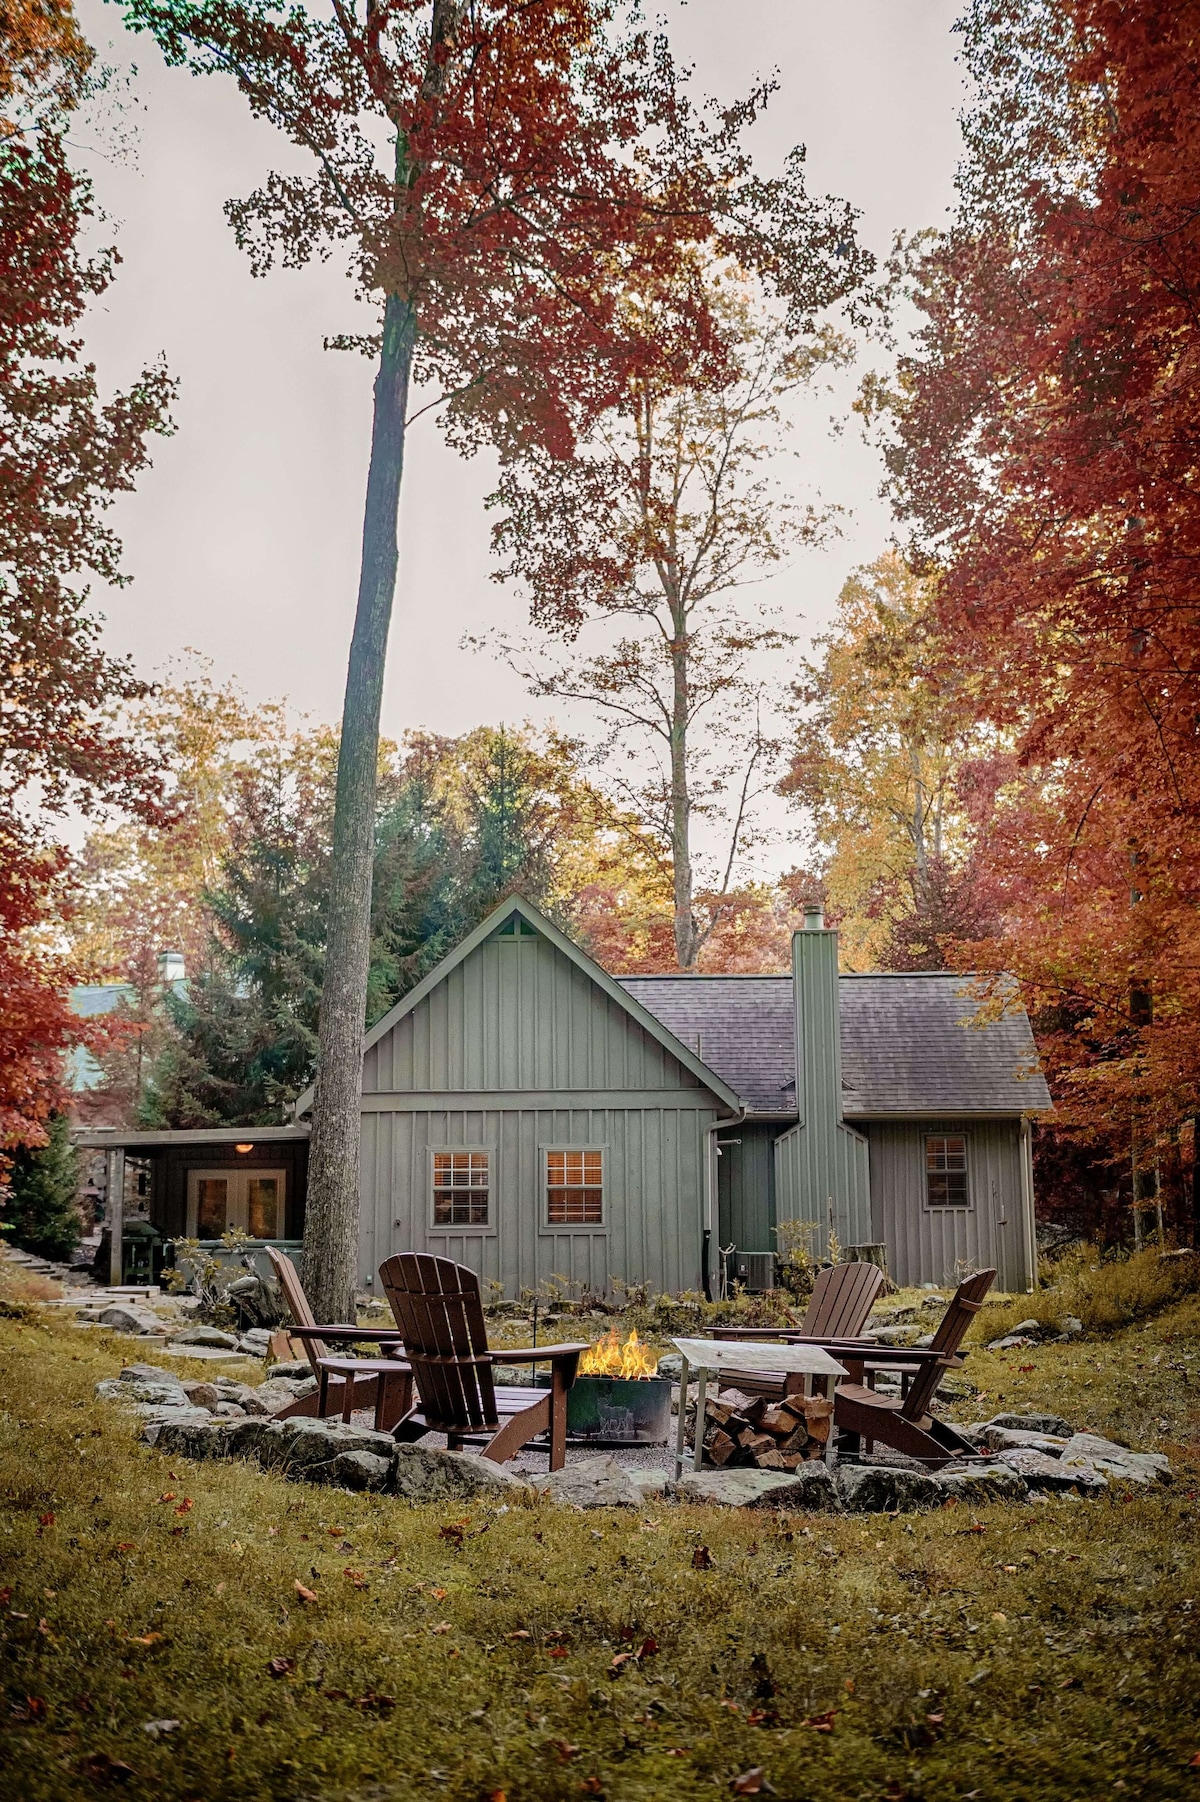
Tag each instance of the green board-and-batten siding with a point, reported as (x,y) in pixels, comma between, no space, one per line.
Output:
(746,1186)
(514,1051)
(941,1244)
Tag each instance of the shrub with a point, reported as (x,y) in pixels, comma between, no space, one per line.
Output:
(1105,1290)
(41,1208)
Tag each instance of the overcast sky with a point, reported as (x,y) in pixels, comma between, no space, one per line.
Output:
(243,539)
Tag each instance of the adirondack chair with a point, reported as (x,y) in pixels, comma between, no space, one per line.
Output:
(438,1308)
(842,1298)
(905,1423)
(343,1384)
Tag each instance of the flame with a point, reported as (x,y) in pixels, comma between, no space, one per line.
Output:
(609,1358)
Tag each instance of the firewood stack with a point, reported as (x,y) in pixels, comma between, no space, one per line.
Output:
(742,1429)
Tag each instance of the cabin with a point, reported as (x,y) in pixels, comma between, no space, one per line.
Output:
(531,1116)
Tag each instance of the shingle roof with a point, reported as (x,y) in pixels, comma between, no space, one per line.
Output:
(906,1046)
(740,1026)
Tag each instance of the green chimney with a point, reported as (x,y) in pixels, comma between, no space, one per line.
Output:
(822,1168)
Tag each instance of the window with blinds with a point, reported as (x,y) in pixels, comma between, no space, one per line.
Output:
(946,1170)
(575,1188)
(460,1188)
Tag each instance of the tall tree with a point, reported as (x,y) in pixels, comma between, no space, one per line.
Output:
(646,539)
(66,453)
(500,168)
(894,769)
(1045,448)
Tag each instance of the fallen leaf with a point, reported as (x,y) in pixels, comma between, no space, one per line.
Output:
(126,1545)
(442,1627)
(100,1768)
(620,1661)
(5,1597)
(520,1633)
(33,1708)
(648,1648)
(355,1577)
(439,1595)
(496,1795)
(558,1652)
(143,1639)
(186,1505)
(220,1589)
(1194,1762)
(168,1495)
(822,1723)
(592,1786)
(336,1695)
(336,1532)
(702,1560)
(373,1703)
(565,1750)
(306,1595)
(281,1667)
(753,1783)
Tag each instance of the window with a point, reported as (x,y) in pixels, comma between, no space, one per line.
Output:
(946,1171)
(219,1200)
(574,1188)
(460,1188)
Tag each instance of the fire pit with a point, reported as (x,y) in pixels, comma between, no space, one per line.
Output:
(617,1398)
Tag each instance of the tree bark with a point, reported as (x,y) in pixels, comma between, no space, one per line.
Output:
(330,1268)
(681,805)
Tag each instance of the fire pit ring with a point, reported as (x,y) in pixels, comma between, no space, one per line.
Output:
(611,1411)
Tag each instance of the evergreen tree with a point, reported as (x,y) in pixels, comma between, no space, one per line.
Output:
(41,1212)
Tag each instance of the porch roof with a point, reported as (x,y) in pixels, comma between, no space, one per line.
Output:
(121,1138)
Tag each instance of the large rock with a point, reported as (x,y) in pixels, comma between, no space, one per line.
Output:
(423,1473)
(1010,1342)
(352,1470)
(256,1438)
(203,1438)
(256,1343)
(1033,1422)
(810,1488)
(159,1419)
(1116,1461)
(887,1489)
(127,1317)
(592,1483)
(207,1336)
(203,1395)
(894,1335)
(1009,1439)
(278,1392)
(1044,1473)
(143,1393)
(982,1483)
(148,1373)
(295,1369)
(306,1442)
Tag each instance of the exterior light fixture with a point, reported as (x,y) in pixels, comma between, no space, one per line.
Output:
(243,1148)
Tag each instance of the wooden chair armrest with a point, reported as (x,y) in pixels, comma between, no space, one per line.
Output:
(539,1354)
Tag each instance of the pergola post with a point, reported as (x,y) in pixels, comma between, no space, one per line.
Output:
(114,1203)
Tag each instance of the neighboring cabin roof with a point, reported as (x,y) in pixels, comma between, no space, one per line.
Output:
(907,1043)
(741,1026)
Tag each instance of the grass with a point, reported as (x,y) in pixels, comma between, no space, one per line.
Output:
(1015,1654)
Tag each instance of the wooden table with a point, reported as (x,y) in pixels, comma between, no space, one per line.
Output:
(703,1355)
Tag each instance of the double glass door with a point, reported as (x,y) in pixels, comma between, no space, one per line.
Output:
(219,1200)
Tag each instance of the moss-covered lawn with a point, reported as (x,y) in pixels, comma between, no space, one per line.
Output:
(1026,1652)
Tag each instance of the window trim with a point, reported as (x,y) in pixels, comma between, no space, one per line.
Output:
(444,1229)
(546,1225)
(946,1207)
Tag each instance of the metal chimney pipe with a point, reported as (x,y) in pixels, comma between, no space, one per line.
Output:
(814,917)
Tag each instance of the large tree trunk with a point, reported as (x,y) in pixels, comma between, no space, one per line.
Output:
(331,1222)
(686,937)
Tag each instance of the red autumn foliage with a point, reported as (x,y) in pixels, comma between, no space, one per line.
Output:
(65,453)
(1046,446)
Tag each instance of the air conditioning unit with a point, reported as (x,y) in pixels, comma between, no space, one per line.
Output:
(755,1270)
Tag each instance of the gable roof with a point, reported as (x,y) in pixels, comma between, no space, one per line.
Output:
(630,1004)
(908,1045)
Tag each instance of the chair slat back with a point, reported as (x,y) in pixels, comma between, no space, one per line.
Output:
(437,1306)
(288,1278)
(842,1298)
(964,1304)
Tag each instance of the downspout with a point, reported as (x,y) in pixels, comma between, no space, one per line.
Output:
(710,1192)
(1027,1207)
